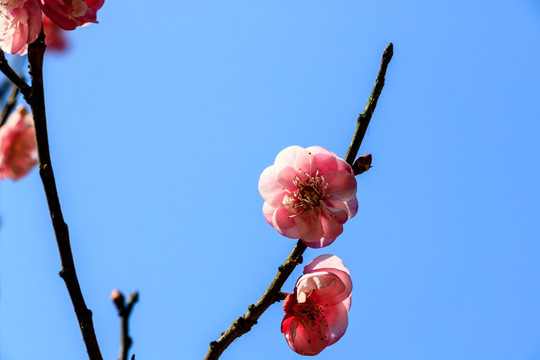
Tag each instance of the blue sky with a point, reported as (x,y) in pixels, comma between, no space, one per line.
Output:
(162,119)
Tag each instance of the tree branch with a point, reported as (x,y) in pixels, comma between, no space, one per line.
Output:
(36,99)
(13,77)
(124,311)
(364,118)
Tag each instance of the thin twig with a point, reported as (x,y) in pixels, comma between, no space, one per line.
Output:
(13,77)
(36,100)
(364,118)
(244,323)
(9,105)
(124,311)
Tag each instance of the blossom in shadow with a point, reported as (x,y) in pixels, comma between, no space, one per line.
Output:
(18,154)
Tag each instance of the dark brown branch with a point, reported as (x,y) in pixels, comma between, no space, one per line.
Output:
(244,323)
(36,100)
(13,77)
(124,311)
(364,118)
(10,104)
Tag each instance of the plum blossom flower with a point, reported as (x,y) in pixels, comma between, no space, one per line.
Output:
(20,24)
(18,153)
(68,14)
(308,194)
(316,314)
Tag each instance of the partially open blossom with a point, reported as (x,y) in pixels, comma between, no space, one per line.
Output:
(20,24)
(18,153)
(308,194)
(68,14)
(55,37)
(316,314)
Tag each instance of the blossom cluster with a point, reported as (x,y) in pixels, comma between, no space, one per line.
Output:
(309,194)
(21,20)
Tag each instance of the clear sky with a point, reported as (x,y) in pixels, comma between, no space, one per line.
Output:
(162,118)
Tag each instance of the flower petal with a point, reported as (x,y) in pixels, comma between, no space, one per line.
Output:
(324,287)
(309,225)
(295,157)
(337,319)
(331,228)
(283,223)
(326,261)
(342,185)
(269,188)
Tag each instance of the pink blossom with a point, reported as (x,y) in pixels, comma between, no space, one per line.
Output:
(55,38)
(20,24)
(68,14)
(308,194)
(316,314)
(17,145)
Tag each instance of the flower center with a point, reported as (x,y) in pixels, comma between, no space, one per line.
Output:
(311,315)
(308,194)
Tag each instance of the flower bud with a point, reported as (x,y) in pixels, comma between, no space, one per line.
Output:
(362,164)
(118,299)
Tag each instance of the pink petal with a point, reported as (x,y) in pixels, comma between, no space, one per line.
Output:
(336,211)
(269,188)
(331,228)
(347,302)
(342,185)
(324,242)
(352,206)
(295,157)
(283,223)
(337,320)
(268,212)
(320,150)
(325,287)
(324,162)
(286,176)
(309,225)
(326,261)
(342,165)
(300,340)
